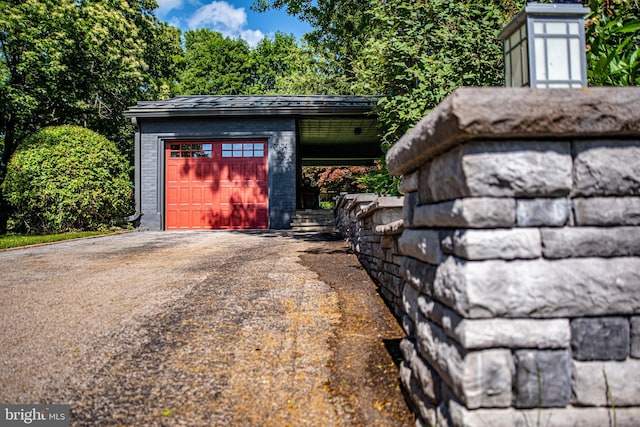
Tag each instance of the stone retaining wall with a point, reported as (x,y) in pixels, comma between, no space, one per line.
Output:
(518,258)
(372,226)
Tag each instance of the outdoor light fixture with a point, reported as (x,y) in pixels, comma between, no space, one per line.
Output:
(544,46)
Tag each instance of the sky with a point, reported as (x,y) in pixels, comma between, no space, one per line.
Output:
(232,18)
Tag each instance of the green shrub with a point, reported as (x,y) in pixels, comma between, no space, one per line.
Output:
(67,178)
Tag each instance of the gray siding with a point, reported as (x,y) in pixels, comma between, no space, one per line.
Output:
(280,132)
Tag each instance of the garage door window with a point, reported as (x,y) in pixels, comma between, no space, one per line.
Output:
(191,150)
(243,150)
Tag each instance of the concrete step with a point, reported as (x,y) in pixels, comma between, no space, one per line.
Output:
(312,219)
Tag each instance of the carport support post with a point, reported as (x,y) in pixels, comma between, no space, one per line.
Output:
(298,166)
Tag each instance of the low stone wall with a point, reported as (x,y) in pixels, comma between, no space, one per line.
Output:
(372,226)
(518,258)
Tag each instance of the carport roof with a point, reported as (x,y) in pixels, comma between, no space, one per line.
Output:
(241,105)
(332,130)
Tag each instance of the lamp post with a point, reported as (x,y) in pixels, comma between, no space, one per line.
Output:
(544,46)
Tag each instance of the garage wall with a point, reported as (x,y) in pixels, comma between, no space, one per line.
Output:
(280,133)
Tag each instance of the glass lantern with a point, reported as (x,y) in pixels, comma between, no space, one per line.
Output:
(544,46)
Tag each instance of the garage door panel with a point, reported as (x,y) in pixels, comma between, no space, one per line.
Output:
(183,217)
(196,195)
(172,196)
(173,172)
(208,197)
(261,172)
(184,196)
(236,172)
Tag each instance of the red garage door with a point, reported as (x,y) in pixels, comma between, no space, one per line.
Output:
(216,184)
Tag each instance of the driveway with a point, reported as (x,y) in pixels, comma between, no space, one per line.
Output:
(199,328)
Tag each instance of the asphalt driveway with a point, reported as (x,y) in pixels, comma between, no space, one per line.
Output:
(198,328)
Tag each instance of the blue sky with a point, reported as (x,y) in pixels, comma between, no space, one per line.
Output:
(232,18)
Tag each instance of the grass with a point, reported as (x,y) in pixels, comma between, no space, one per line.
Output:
(16,240)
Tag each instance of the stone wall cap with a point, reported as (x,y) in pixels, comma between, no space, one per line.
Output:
(499,113)
(345,199)
(391,229)
(360,199)
(382,202)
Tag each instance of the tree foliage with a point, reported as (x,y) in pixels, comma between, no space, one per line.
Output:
(613,43)
(215,64)
(270,61)
(336,179)
(340,28)
(421,51)
(67,178)
(79,62)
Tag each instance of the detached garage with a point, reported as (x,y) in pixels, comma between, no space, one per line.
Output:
(235,162)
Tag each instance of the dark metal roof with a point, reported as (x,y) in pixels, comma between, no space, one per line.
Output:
(246,105)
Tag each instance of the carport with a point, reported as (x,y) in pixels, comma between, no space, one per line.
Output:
(232,162)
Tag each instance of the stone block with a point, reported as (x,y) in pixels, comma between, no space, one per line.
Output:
(539,288)
(410,301)
(408,209)
(408,183)
(421,244)
(513,333)
(427,379)
(479,379)
(480,212)
(473,334)
(446,241)
(408,325)
(575,242)
(391,229)
(418,274)
(543,378)
(387,242)
(426,411)
(487,379)
(607,211)
(424,192)
(635,337)
(606,383)
(557,417)
(386,216)
(607,168)
(543,212)
(501,169)
(516,243)
(600,338)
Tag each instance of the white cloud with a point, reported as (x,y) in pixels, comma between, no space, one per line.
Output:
(252,37)
(219,16)
(166,6)
(223,17)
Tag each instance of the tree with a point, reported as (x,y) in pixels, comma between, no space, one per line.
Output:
(67,178)
(220,65)
(340,29)
(79,62)
(269,61)
(421,51)
(214,64)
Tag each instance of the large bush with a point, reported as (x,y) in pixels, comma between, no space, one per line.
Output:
(67,178)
